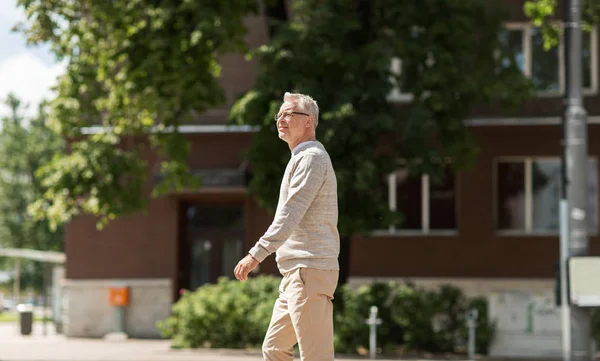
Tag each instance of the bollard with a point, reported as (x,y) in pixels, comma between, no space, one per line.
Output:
(472,325)
(118,297)
(373,321)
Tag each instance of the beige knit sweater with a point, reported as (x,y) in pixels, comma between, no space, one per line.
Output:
(304,231)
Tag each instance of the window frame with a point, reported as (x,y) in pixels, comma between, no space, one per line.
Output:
(528,230)
(527,54)
(425,229)
(396,94)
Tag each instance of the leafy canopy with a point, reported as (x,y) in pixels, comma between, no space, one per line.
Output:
(139,68)
(543,15)
(339,52)
(25,145)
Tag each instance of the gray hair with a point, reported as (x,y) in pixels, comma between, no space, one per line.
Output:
(306,103)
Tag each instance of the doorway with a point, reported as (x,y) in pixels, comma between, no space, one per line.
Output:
(213,241)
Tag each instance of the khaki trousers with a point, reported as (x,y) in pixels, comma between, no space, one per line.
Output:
(303,314)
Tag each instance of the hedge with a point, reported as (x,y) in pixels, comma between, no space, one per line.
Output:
(412,319)
(228,314)
(233,314)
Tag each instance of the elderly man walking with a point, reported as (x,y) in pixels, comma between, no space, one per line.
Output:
(305,237)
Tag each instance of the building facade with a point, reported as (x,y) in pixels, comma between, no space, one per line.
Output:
(491,228)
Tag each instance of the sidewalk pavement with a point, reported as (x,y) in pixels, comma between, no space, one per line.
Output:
(58,348)
(53,347)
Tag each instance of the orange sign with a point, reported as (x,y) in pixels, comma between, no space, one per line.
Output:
(118,296)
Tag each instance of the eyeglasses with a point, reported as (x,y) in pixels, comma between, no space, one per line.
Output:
(288,115)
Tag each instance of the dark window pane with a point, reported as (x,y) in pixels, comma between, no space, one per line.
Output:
(512,40)
(232,251)
(442,203)
(215,216)
(545,177)
(544,64)
(510,183)
(201,261)
(546,195)
(408,199)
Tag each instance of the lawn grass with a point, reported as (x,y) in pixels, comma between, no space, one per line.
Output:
(14,317)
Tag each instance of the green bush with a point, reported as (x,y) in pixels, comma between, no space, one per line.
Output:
(229,314)
(232,314)
(412,318)
(351,312)
(415,311)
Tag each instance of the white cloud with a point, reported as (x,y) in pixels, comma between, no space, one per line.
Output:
(29,78)
(28,72)
(10,11)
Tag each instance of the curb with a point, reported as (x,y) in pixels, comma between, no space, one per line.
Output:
(421,357)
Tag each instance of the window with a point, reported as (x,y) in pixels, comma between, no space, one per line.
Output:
(528,194)
(426,206)
(396,94)
(545,67)
(399,93)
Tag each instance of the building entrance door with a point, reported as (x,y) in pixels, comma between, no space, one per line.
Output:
(213,242)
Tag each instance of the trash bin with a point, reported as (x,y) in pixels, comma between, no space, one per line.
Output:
(25,318)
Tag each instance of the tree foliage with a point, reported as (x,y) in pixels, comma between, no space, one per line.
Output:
(26,145)
(543,13)
(138,68)
(340,51)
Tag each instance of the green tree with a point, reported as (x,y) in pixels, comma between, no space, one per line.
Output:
(340,51)
(26,145)
(140,68)
(543,13)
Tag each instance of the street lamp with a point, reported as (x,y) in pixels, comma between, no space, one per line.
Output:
(576,321)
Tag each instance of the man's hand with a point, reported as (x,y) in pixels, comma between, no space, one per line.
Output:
(244,267)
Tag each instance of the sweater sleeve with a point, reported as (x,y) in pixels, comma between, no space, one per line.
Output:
(306,180)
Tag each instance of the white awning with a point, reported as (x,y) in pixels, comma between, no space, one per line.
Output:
(32,254)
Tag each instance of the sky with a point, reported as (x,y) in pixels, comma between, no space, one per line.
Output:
(27,71)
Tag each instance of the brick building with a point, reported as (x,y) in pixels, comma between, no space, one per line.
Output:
(492,227)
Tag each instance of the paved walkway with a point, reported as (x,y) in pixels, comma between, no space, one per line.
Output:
(52,347)
(99,350)
(61,349)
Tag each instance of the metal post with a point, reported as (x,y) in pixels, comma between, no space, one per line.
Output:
(120,319)
(471,343)
(45,303)
(373,321)
(45,294)
(472,325)
(575,157)
(17,281)
(564,257)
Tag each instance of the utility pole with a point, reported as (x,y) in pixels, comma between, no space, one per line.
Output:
(574,221)
(17,281)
